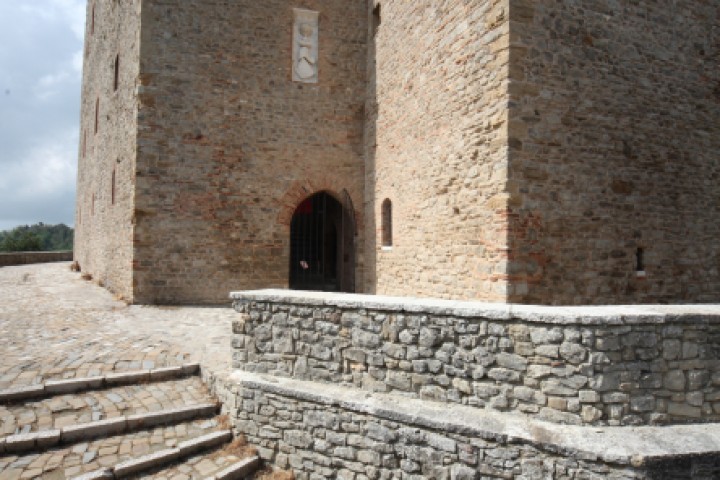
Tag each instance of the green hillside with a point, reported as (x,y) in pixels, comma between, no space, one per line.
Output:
(34,238)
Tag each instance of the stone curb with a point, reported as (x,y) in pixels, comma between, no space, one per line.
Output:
(28,442)
(74,385)
(163,457)
(147,462)
(205,442)
(175,415)
(239,470)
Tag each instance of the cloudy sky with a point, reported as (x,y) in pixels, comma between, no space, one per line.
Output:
(41,45)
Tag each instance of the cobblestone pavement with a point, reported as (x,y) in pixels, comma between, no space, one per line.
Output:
(55,325)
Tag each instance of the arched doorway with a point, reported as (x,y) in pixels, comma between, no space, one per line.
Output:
(322,235)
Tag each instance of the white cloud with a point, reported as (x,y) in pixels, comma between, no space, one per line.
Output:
(69,12)
(41,57)
(51,166)
(52,84)
(77,62)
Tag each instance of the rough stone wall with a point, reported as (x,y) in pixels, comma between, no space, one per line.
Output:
(332,441)
(436,146)
(103,229)
(566,367)
(614,136)
(228,145)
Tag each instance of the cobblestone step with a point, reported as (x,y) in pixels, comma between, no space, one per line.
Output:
(56,327)
(215,466)
(153,461)
(101,453)
(198,458)
(43,440)
(61,411)
(74,385)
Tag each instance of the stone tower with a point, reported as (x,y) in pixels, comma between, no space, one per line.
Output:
(502,150)
(223,141)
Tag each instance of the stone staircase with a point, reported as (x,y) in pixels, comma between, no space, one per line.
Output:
(159,423)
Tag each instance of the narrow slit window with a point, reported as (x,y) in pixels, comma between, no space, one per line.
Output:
(116,79)
(92,20)
(92,205)
(376,19)
(386,222)
(97,113)
(640,260)
(112,189)
(84,143)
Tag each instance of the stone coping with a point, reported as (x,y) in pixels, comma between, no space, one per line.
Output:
(635,446)
(584,315)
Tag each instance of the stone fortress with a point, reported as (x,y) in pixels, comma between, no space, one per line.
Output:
(537,152)
(511,151)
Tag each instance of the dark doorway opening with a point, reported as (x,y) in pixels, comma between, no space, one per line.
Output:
(321,245)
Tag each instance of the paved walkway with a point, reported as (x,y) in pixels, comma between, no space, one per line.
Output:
(55,325)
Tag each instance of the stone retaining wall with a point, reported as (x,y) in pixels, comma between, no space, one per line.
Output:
(26,258)
(574,365)
(342,433)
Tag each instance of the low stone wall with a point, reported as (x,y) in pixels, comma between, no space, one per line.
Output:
(574,365)
(336,432)
(26,258)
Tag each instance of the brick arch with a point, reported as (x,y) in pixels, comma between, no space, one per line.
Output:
(299,190)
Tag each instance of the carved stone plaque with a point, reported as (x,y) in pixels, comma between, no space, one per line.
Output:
(305,46)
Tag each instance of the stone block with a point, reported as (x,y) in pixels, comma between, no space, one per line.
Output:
(698,379)
(380,433)
(674,381)
(103,473)
(56,387)
(101,428)
(166,373)
(441,442)
(590,414)
(146,462)
(511,361)
(683,410)
(23,393)
(573,352)
(540,336)
(588,396)
(504,375)
(644,403)
(240,469)
(22,442)
(175,415)
(298,438)
(124,378)
(364,339)
(204,442)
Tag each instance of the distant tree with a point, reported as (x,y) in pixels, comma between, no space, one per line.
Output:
(37,238)
(21,241)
